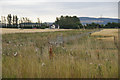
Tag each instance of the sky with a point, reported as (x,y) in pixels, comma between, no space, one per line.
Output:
(48,10)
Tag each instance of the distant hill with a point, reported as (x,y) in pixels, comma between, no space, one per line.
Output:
(89,20)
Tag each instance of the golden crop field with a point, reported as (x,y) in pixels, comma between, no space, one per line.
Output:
(8,30)
(107,32)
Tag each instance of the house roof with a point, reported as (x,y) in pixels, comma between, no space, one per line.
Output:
(30,23)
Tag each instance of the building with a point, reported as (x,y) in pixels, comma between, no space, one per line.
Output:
(53,26)
(29,25)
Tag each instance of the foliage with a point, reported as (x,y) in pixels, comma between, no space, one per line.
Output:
(44,25)
(112,25)
(9,18)
(92,26)
(108,25)
(65,22)
(68,22)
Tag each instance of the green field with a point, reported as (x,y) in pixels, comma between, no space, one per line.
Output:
(84,57)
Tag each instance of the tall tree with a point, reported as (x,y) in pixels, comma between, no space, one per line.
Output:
(39,22)
(9,18)
(16,20)
(13,21)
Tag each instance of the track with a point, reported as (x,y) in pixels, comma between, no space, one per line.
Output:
(60,39)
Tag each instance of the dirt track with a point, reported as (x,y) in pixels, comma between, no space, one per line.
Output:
(8,31)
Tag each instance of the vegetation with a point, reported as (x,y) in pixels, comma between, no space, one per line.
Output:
(9,18)
(64,22)
(15,21)
(27,55)
(68,22)
(108,25)
(112,25)
(44,25)
(24,22)
(92,26)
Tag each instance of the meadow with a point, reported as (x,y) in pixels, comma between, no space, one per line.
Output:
(26,55)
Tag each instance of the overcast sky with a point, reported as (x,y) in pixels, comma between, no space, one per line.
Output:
(48,10)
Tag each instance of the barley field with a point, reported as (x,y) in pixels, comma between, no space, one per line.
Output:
(9,30)
(27,55)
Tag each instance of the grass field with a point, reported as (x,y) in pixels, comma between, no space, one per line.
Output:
(91,56)
(9,31)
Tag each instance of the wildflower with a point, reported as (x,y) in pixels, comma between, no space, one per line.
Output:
(15,54)
(20,44)
(63,47)
(36,49)
(9,42)
(99,64)
(43,64)
(106,59)
(90,63)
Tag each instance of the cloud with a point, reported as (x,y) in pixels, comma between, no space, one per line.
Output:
(62,0)
(48,11)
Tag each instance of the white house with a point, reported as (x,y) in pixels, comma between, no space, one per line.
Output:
(53,26)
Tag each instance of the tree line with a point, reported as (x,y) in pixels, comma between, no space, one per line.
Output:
(68,22)
(64,22)
(23,22)
(108,25)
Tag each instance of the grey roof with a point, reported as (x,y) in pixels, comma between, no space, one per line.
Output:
(30,23)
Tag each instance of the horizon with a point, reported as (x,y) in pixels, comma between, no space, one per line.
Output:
(48,11)
(73,15)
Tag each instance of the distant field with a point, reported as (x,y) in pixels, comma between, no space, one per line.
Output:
(107,34)
(8,30)
(89,56)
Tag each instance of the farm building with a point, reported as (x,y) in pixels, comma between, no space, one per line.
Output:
(29,25)
(53,26)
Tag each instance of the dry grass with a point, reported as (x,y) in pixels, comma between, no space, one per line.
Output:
(107,32)
(7,30)
(106,38)
(85,57)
